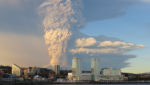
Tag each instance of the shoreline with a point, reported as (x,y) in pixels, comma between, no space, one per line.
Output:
(86,82)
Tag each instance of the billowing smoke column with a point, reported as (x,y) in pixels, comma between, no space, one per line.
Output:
(61,17)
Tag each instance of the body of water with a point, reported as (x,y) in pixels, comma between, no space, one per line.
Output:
(98,84)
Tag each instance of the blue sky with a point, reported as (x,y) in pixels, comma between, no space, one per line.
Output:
(133,27)
(126,20)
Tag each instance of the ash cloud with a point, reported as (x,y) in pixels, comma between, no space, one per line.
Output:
(25,11)
(62,32)
(61,18)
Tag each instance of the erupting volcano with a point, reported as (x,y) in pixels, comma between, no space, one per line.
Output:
(61,17)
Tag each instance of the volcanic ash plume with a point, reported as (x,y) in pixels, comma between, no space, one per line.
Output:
(57,42)
(61,17)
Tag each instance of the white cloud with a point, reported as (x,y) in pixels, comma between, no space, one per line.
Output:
(85,42)
(110,43)
(140,46)
(94,50)
(120,44)
(92,46)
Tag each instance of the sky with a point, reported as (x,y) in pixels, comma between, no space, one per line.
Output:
(22,41)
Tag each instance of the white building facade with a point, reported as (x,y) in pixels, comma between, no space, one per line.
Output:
(76,71)
(95,69)
(94,74)
(57,69)
(16,70)
(111,74)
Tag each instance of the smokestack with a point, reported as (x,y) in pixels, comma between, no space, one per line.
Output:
(76,71)
(95,68)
